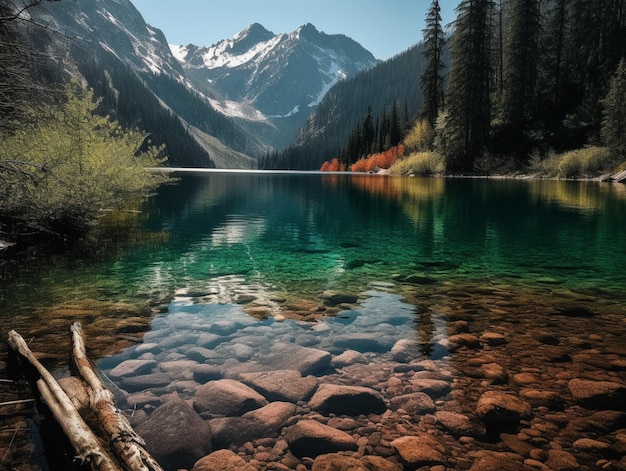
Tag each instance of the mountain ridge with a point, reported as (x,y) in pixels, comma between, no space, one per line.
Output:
(277,79)
(251,93)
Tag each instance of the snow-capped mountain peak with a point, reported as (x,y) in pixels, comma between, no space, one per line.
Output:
(280,75)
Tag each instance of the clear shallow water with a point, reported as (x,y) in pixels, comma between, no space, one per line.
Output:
(235,269)
(285,243)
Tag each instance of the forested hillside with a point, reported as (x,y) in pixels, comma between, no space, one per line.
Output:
(524,78)
(393,84)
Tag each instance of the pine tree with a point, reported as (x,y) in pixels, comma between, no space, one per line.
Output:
(468,109)
(432,78)
(520,62)
(614,122)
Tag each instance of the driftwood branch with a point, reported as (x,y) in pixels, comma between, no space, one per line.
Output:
(86,444)
(126,444)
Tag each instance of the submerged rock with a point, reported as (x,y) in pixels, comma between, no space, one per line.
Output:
(286,356)
(418,451)
(501,410)
(226,397)
(222,460)
(311,438)
(176,436)
(598,394)
(229,431)
(459,425)
(338,462)
(132,368)
(282,385)
(347,400)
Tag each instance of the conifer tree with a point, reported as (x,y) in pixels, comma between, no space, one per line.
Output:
(520,62)
(614,122)
(468,108)
(432,78)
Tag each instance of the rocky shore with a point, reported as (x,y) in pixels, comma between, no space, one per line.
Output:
(474,379)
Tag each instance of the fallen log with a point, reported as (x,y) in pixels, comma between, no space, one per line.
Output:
(128,447)
(87,446)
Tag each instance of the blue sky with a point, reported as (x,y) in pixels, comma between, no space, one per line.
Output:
(384,27)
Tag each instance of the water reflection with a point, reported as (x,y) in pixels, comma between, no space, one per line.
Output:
(244,271)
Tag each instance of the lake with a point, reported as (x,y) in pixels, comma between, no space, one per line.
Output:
(430,294)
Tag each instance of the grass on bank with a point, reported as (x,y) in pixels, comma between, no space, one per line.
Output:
(419,164)
(589,162)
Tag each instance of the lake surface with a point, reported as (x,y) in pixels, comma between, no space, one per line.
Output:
(241,270)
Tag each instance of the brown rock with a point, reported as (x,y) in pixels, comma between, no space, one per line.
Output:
(463,340)
(550,399)
(347,400)
(311,438)
(499,409)
(222,460)
(559,460)
(416,404)
(175,435)
(598,394)
(494,461)
(493,339)
(274,415)
(337,462)
(592,446)
(494,372)
(459,425)
(227,397)
(435,388)
(418,451)
(282,385)
(513,443)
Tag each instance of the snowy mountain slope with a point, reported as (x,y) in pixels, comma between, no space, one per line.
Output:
(111,37)
(261,76)
(117,27)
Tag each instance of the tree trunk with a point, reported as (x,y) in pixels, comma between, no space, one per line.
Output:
(85,443)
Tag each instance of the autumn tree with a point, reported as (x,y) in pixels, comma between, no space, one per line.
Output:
(432,78)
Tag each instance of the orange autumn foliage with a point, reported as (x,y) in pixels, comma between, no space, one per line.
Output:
(377,161)
(332,166)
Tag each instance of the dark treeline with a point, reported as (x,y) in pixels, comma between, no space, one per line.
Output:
(525,77)
(528,76)
(333,128)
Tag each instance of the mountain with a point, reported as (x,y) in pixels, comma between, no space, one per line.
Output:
(271,82)
(107,44)
(345,107)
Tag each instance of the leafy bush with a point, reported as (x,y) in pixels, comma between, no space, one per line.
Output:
(67,164)
(383,160)
(581,163)
(420,138)
(420,164)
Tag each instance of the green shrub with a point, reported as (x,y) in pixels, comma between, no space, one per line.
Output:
(589,162)
(419,164)
(67,164)
(420,138)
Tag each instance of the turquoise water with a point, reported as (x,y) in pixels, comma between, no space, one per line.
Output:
(286,238)
(245,271)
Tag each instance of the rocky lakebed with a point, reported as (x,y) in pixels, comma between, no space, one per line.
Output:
(480,378)
(403,377)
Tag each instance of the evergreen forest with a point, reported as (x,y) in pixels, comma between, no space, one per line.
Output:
(508,84)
